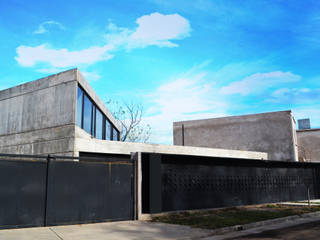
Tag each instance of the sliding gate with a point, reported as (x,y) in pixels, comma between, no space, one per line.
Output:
(43,192)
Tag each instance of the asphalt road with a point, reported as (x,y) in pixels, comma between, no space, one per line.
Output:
(307,231)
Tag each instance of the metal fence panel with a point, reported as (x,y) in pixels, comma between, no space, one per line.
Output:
(194,182)
(206,186)
(82,192)
(22,193)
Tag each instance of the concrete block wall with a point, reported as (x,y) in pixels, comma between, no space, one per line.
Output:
(273,133)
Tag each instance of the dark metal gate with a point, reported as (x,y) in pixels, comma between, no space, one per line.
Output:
(22,193)
(60,190)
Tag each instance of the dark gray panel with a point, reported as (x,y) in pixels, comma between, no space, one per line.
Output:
(207,186)
(22,193)
(194,182)
(81,192)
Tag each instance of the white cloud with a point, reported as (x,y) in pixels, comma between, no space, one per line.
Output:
(295,95)
(259,82)
(30,56)
(188,96)
(154,29)
(91,76)
(196,94)
(158,29)
(43,27)
(50,70)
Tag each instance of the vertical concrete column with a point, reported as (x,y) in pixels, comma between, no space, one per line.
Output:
(136,157)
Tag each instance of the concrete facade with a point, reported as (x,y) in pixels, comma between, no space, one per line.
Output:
(85,143)
(39,117)
(309,145)
(273,133)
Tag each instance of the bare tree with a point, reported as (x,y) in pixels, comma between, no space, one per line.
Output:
(130,116)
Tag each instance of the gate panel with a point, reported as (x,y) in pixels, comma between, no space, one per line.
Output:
(22,193)
(83,192)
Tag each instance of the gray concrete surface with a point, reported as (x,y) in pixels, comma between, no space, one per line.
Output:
(267,227)
(131,230)
(39,117)
(309,145)
(308,231)
(85,143)
(273,133)
(134,230)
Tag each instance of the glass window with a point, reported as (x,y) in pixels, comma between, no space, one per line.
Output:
(99,124)
(87,114)
(93,131)
(108,130)
(79,106)
(115,134)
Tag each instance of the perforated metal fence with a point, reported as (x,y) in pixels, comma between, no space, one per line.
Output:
(177,182)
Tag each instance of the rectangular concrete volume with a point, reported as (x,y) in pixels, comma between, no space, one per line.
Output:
(273,133)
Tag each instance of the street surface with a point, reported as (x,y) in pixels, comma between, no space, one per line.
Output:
(307,231)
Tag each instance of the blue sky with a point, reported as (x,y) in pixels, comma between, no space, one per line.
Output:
(181,59)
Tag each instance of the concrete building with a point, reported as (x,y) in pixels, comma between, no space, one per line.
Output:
(61,114)
(308,142)
(42,116)
(273,133)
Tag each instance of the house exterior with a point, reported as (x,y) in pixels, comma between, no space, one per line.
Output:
(62,115)
(44,116)
(273,133)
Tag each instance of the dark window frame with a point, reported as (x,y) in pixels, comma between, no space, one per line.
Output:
(94,108)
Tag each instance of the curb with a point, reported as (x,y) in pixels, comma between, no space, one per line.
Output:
(238,228)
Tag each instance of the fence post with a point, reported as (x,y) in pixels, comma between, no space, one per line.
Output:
(49,158)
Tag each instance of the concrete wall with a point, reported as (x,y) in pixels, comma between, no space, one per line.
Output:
(38,117)
(267,132)
(85,143)
(309,145)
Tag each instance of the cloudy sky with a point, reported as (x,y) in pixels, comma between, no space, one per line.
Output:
(181,59)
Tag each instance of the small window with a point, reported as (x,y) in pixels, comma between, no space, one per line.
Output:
(99,124)
(87,114)
(118,135)
(79,107)
(108,130)
(115,134)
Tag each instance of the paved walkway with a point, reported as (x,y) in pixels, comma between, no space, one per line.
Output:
(140,230)
(131,230)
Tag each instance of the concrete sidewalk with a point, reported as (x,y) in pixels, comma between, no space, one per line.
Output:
(135,230)
(140,230)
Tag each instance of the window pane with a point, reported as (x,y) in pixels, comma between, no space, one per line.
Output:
(115,134)
(79,106)
(93,133)
(87,111)
(99,124)
(108,130)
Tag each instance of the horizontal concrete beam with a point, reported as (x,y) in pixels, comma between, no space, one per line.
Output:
(85,143)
